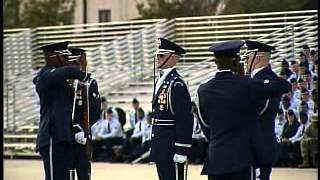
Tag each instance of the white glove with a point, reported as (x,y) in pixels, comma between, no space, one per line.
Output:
(177,158)
(80,138)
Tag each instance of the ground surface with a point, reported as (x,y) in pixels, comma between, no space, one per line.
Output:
(32,170)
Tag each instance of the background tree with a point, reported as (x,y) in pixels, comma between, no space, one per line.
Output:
(184,8)
(175,8)
(11,14)
(35,13)
(48,13)
(258,6)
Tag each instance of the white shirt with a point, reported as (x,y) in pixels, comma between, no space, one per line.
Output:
(299,134)
(163,77)
(95,128)
(278,127)
(146,132)
(293,75)
(132,119)
(294,103)
(109,129)
(137,132)
(254,72)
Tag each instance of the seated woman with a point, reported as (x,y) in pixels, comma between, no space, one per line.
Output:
(286,155)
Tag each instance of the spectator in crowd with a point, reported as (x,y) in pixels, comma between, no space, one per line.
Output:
(199,142)
(294,69)
(146,138)
(296,139)
(283,75)
(285,68)
(314,83)
(313,58)
(293,100)
(302,70)
(308,79)
(96,143)
(302,84)
(290,129)
(122,117)
(304,107)
(306,55)
(309,144)
(286,106)
(109,133)
(314,94)
(305,96)
(104,108)
(295,89)
(136,137)
(133,119)
(315,68)
(279,124)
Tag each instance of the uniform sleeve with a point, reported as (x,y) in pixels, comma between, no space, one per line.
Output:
(204,123)
(94,102)
(53,76)
(268,88)
(181,106)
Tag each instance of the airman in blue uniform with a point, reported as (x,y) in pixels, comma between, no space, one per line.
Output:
(261,70)
(171,136)
(54,139)
(226,109)
(81,162)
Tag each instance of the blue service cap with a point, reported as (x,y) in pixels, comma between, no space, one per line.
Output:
(55,47)
(260,47)
(165,47)
(76,51)
(227,48)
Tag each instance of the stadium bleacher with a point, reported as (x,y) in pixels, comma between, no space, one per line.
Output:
(120,57)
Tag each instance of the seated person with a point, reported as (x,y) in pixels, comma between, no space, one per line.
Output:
(279,124)
(285,105)
(133,117)
(109,133)
(289,130)
(296,139)
(305,96)
(96,145)
(136,137)
(309,144)
(314,95)
(146,139)
(304,107)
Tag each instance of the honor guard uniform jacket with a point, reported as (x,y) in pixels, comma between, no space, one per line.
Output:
(226,109)
(56,99)
(94,106)
(268,111)
(172,119)
(93,100)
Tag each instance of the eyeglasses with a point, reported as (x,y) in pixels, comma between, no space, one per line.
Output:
(160,55)
(62,55)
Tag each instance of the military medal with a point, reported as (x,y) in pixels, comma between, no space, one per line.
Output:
(162,99)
